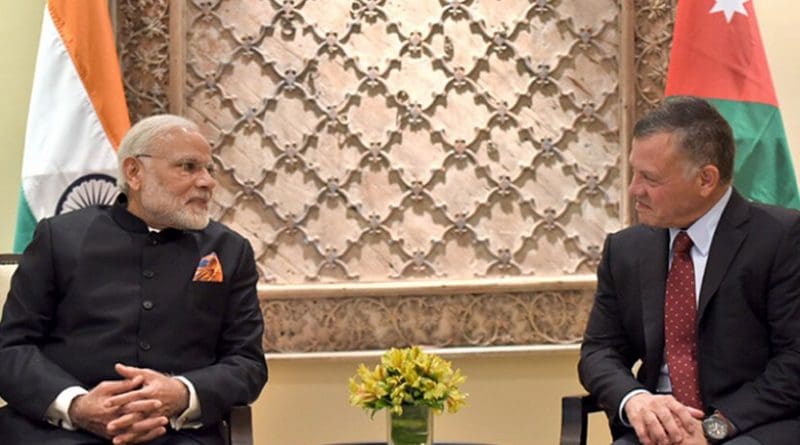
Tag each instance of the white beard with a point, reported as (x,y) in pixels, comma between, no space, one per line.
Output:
(163,209)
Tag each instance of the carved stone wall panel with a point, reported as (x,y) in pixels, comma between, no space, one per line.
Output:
(342,324)
(498,120)
(143,42)
(365,141)
(653,39)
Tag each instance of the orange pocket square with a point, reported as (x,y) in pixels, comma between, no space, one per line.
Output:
(209,269)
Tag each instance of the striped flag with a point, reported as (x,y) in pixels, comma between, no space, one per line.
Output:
(76,118)
(717,54)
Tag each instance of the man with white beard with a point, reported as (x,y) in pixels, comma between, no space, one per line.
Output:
(136,322)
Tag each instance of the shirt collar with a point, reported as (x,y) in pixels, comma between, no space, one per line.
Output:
(702,231)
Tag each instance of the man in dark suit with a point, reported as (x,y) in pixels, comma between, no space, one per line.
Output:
(706,294)
(136,322)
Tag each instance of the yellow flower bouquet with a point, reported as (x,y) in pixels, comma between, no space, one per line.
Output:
(408,377)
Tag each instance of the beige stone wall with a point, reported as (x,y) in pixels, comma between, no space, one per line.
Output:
(514,398)
(778,20)
(19,38)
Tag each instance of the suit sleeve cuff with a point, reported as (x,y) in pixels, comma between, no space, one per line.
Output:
(58,412)
(189,418)
(622,417)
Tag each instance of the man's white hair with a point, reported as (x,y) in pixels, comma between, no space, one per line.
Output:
(143,136)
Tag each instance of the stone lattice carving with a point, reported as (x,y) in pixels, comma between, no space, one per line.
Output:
(389,141)
(385,140)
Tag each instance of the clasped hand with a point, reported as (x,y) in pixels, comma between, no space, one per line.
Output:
(135,409)
(662,420)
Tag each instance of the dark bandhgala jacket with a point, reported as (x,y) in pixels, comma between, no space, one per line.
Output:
(95,287)
(748,320)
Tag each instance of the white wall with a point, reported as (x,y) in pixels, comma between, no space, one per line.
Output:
(514,399)
(20,22)
(778,21)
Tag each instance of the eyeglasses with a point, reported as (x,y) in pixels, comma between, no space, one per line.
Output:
(187,167)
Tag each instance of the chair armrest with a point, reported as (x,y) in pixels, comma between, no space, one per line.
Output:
(574,416)
(241,425)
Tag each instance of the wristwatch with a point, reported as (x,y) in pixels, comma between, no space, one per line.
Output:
(717,428)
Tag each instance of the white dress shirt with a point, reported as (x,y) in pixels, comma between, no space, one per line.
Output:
(701,234)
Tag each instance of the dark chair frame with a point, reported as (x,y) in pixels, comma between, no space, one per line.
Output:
(239,426)
(9,258)
(575,412)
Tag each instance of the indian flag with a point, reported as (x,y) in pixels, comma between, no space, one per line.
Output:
(717,54)
(76,118)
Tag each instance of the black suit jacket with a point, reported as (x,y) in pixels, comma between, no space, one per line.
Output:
(95,288)
(748,320)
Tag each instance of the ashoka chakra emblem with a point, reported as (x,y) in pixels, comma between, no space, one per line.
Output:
(86,191)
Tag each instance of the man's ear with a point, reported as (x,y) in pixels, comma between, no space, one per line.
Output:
(709,179)
(132,170)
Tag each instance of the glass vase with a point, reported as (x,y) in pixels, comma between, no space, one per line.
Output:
(413,427)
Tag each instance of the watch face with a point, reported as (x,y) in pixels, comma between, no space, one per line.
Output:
(715,428)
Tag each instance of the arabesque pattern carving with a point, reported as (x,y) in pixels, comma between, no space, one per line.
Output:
(653,39)
(342,324)
(143,46)
(380,140)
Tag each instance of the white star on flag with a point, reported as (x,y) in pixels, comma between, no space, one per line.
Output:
(729,8)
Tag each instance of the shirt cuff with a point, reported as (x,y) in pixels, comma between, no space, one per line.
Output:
(189,418)
(58,412)
(622,417)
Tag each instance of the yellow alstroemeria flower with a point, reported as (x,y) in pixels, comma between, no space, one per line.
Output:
(407,376)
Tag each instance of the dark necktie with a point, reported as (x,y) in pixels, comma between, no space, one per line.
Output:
(680,331)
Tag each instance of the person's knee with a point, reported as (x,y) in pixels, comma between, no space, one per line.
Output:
(743,440)
(627,439)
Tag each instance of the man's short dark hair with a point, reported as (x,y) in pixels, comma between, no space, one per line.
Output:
(703,134)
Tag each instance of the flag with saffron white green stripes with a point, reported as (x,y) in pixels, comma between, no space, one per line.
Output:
(76,118)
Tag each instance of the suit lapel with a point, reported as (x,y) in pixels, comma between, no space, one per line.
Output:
(731,232)
(653,278)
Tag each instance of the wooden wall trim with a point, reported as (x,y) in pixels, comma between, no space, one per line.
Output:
(177,56)
(435,287)
(627,82)
(447,353)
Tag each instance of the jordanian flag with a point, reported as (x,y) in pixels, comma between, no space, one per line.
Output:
(717,54)
(76,117)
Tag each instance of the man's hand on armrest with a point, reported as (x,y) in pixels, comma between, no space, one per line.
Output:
(661,419)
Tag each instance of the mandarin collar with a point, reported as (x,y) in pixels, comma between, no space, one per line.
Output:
(132,223)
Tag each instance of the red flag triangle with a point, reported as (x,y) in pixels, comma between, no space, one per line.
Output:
(717,53)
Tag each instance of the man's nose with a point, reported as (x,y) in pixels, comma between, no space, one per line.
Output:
(205,179)
(635,187)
